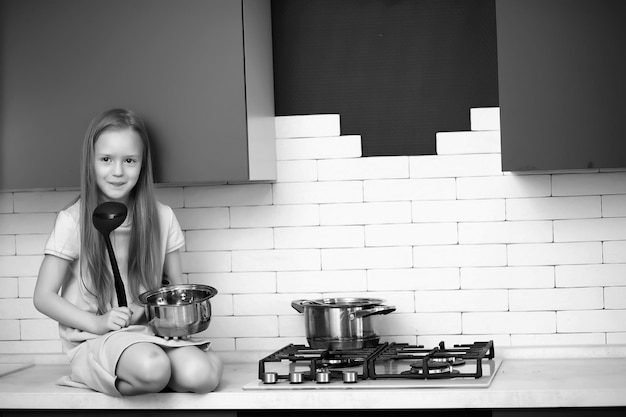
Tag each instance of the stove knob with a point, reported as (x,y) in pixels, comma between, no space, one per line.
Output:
(295,378)
(349,377)
(270,377)
(322,377)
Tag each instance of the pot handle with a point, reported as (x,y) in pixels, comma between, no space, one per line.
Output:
(298,305)
(372,311)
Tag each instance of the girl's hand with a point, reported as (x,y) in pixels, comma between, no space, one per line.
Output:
(115,319)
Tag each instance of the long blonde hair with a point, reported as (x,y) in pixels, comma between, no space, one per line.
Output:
(145,266)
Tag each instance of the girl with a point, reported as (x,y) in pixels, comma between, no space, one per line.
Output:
(109,348)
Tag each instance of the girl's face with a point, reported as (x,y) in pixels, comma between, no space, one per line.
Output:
(117,162)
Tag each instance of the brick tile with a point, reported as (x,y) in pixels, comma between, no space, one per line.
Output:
(205,262)
(591,321)
(15,266)
(363,168)
(615,298)
(246,326)
(31,244)
(561,339)
(365,213)
(409,189)
(319,237)
(318,148)
(509,322)
(458,210)
(475,142)
(614,205)
(589,184)
(228,195)
(9,329)
(556,299)
(43,201)
(459,255)
(8,287)
(413,279)
(504,186)
(26,223)
(614,252)
(433,166)
(553,208)
(422,324)
(508,277)
(366,258)
(275,216)
(485,118)
(39,329)
(318,192)
(203,218)
(276,260)
(411,234)
(7,245)
(554,253)
(505,232)
(229,239)
(307,126)
(171,196)
(6,202)
(461,300)
(599,275)
(590,230)
(321,281)
(296,171)
(238,282)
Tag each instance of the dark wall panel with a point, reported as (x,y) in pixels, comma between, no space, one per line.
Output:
(397,71)
(562,83)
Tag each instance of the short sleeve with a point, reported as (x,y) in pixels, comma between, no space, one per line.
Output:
(64,240)
(170,229)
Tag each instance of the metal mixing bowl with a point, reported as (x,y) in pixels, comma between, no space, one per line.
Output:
(180,310)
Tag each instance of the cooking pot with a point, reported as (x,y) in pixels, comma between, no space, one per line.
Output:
(178,310)
(341,323)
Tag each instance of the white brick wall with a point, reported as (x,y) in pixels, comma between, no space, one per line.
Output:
(463,250)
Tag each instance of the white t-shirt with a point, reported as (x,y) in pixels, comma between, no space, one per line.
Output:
(64,242)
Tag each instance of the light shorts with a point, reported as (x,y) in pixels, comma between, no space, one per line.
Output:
(94,361)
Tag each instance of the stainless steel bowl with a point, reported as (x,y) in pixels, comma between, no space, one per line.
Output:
(177,311)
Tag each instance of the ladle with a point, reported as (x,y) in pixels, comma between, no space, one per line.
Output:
(107,217)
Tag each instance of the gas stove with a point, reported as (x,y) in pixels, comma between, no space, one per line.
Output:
(387,365)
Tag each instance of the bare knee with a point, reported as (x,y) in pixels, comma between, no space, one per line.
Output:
(194,370)
(143,368)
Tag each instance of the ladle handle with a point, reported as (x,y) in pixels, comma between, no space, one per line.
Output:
(119,284)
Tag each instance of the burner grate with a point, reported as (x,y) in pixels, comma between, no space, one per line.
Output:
(400,360)
(387,360)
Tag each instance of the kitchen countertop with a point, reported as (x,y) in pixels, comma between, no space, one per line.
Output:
(542,377)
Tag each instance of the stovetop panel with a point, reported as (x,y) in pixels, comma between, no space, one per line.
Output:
(490,367)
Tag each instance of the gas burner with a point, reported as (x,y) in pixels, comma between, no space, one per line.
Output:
(432,367)
(342,359)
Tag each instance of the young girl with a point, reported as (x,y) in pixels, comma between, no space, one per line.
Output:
(110,348)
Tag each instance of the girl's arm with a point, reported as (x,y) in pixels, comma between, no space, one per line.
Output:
(48,301)
(173,268)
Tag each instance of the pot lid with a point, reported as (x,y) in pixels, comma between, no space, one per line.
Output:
(343,302)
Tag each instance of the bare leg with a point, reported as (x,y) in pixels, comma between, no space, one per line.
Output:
(142,368)
(194,370)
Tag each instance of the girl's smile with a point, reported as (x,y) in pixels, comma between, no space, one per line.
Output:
(117,164)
